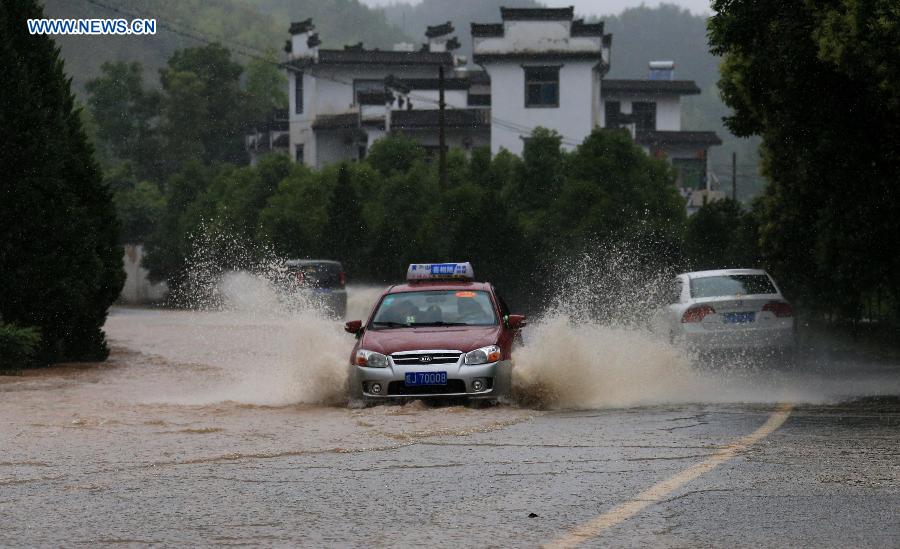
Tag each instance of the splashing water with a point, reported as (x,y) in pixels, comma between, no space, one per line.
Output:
(244,339)
(584,365)
(593,349)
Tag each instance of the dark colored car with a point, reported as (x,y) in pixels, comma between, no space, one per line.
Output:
(323,282)
(439,335)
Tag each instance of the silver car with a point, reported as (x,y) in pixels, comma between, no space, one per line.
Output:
(727,309)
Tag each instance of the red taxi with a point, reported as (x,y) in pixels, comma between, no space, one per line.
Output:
(439,335)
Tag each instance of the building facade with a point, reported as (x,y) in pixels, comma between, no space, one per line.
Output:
(537,67)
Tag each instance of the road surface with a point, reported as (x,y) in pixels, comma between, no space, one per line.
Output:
(229,428)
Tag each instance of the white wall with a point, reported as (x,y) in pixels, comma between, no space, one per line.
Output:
(573,119)
(329,90)
(332,147)
(429,99)
(536,36)
(138,288)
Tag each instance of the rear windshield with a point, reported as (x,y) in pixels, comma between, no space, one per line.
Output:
(319,275)
(728,285)
(435,308)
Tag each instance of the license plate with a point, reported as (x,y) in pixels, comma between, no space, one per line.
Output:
(739,318)
(425,378)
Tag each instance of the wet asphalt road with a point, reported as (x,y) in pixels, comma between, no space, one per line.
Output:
(95,455)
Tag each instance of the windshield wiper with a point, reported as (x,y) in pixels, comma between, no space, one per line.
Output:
(440,323)
(391,324)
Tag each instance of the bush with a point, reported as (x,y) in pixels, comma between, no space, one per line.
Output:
(18,347)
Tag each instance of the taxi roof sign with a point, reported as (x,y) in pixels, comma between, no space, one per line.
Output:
(440,271)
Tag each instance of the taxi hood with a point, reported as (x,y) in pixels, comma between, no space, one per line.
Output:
(463,338)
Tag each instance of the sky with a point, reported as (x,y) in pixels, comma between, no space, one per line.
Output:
(592,7)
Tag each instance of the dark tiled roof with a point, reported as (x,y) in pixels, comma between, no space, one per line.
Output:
(282,141)
(374,98)
(479,77)
(362,57)
(439,30)
(411,120)
(453,118)
(336,121)
(299,27)
(662,138)
(538,56)
(537,14)
(660,87)
(487,30)
(580,28)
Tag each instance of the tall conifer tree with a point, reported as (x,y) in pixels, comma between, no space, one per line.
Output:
(60,263)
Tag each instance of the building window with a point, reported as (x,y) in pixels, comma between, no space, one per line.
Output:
(542,87)
(691,173)
(612,111)
(479,100)
(644,113)
(364,85)
(298,93)
(361,152)
(298,154)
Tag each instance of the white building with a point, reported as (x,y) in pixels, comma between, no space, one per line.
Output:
(341,101)
(537,67)
(651,111)
(545,69)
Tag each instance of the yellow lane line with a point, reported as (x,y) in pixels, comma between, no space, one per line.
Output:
(657,492)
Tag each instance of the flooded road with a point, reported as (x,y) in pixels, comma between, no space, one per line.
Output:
(230,427)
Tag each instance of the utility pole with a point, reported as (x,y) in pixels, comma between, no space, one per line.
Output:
(734,175)
(442,165)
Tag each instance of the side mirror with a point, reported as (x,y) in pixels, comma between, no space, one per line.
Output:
(353,327)
(515,322)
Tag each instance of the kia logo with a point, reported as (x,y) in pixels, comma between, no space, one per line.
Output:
(425,358)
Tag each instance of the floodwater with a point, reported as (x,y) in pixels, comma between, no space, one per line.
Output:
(255,384)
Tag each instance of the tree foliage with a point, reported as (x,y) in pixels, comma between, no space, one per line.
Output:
(817,80)
(721,235)
(378,215)
(60,261)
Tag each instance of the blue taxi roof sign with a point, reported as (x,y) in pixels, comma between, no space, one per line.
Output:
(440,271)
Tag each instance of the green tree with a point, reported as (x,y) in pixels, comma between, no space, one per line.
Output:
(294,215)
(720,235)
(206,112)
(345,230)
(60,260)
(615,191)
(266,87)
(817,81)
(126,115)
(394,153)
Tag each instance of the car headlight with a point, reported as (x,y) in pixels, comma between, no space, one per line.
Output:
(371,359)
(491,353)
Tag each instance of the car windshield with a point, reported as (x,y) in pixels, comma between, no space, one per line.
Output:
(729,285)
(435,308)
(319,275)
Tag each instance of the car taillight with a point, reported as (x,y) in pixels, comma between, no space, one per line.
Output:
(779,309)
(696,314)
(343,277)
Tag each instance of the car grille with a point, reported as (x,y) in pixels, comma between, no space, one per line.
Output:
(426,358)
(452,386)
